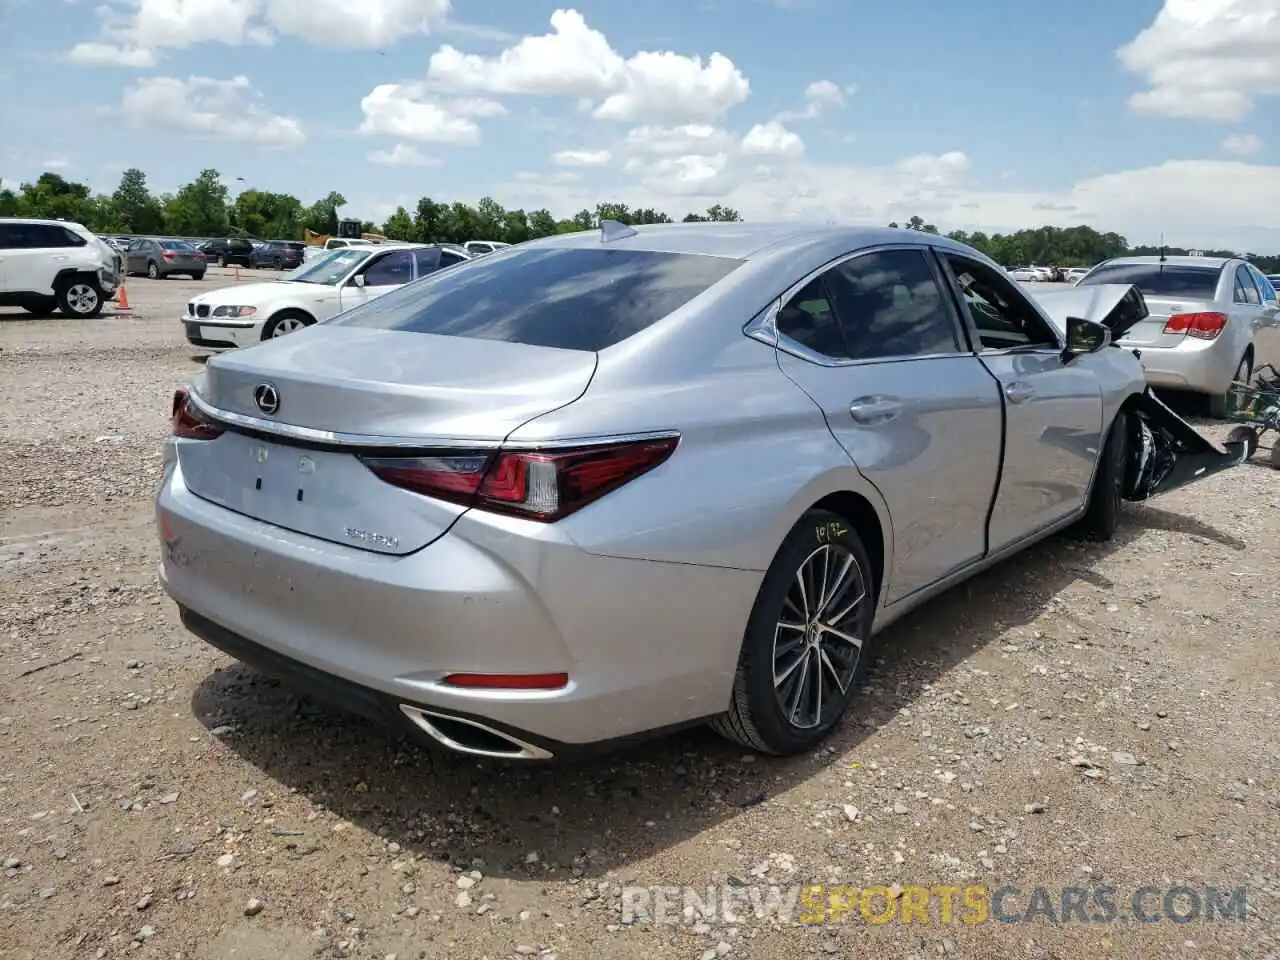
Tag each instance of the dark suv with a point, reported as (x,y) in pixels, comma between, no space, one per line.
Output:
(227,252)
(281,254)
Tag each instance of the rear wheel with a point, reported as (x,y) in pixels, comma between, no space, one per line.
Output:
(802,653)
(199,275)
(1243,374)
(153,270)
(1102,517)
(286,322)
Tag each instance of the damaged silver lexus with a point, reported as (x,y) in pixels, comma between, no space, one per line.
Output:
(605,484)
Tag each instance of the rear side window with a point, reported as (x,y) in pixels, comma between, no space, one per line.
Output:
(1246,289)
(571,299)
(890,305)
(1265,287)
(426,259)
(1189,283)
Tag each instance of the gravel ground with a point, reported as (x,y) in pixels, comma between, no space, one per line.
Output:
(1083,715)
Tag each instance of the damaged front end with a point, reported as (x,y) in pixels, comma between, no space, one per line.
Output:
(1166,452)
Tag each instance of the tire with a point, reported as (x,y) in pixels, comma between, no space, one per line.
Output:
(778,718)
(80,297)
(198,276)
(41,308)
(1218,402)
(286,322)
(153,271)
(1102,517)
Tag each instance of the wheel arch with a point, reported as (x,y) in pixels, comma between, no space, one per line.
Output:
(865,521)
(68,274)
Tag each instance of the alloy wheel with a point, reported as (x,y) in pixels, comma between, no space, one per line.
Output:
(82,298)
(816,645)
(287,325)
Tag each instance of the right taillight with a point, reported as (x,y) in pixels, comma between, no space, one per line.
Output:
(1204,326)
(544,485)
(186,424)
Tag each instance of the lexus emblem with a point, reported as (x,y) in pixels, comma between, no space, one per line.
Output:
(266,397)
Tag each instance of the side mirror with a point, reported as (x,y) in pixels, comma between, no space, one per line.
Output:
(1085,336)
(358,280)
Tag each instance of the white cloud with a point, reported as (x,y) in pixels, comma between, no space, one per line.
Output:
(366,25)
(820,97)
(582,158)
(95,54)
(691,138)
(1206,59)
(772,139)
(935,170)
(402,155)
(134,31)
(577,61)
(57,163)
(408,111)
(212,109)
(1242,144)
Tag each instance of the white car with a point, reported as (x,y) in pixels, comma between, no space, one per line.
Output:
(1030,274)
(478,248)
(48,265)
(246,313)
(1075,274)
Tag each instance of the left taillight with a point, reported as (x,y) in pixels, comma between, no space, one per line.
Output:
(186,424)
(543,485)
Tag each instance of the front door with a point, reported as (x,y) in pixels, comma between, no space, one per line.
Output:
(383,273)
(875,343)
(1053,409)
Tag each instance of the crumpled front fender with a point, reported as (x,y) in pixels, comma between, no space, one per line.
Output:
(1166,452)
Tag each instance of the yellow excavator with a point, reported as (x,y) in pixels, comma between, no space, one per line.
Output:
(347,230)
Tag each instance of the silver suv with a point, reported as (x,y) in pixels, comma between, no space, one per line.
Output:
(48,265)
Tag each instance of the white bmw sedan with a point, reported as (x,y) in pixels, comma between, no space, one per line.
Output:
(246,313)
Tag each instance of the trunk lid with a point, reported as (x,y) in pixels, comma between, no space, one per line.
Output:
(409,391)
(1150,332)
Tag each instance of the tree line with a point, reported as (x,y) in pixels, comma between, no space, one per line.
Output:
(205,208)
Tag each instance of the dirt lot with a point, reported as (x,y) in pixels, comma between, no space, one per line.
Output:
(1084,715)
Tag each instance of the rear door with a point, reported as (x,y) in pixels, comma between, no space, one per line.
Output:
(877,345)
(1053,409)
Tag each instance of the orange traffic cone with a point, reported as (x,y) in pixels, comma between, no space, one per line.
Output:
(122,300)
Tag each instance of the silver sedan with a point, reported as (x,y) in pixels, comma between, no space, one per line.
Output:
(1212,321)
(610,483)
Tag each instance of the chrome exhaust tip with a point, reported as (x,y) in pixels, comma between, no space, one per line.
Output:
(471,737)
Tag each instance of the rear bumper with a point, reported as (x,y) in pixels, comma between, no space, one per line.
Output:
(647,646)
(1201,366)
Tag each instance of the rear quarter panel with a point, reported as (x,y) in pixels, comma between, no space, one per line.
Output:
(755,453)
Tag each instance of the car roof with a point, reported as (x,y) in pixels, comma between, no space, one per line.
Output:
(1213,263)
(743,241)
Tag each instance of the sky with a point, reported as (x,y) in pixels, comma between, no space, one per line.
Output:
(1148,118)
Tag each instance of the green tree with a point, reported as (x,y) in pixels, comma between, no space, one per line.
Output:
(199,209)
(133,206)
(399,225)
(428,217)
(542,223)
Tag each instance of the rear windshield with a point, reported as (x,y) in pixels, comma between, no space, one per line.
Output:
(176,245)
(1188,283)
(571,299)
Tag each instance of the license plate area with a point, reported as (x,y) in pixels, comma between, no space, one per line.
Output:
(324,494)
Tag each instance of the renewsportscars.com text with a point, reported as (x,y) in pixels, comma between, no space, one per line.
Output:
(973,904)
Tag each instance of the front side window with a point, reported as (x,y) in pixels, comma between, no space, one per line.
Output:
(568,298)
(1002,315)
(390,271)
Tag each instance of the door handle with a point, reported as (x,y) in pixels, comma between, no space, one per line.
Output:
(1019,392)
(872,410)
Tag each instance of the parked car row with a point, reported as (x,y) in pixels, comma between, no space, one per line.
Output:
(602,485)
(1047,274)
